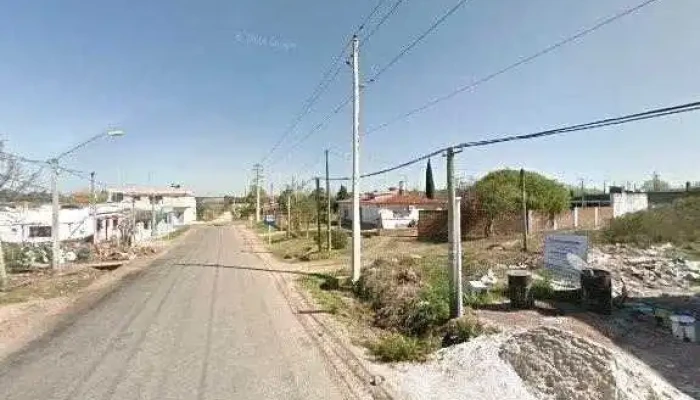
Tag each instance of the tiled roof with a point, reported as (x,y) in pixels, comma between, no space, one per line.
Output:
(398,199)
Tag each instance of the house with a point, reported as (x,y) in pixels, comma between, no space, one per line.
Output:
(175,206)
(391,210)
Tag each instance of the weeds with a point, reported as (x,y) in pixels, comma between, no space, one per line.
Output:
(322,288)
(678,223)
(395,347)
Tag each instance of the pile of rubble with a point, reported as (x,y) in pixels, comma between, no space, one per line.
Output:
(655,271)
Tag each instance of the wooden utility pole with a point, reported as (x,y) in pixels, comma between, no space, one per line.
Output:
(289,215)
(318,214)
(328,205)
(523,200)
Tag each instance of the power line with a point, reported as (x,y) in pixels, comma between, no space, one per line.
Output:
(328,77)
(381,22)
(417,40)
(317,127)
(655,113)
(517,64)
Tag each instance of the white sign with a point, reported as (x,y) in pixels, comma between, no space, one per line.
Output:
(565,256)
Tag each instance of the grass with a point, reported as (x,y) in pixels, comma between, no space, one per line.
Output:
(678,223)
(395,347)
(325,291)
(48,286)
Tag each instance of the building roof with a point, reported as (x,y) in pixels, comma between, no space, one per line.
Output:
(151,191)
(408,199)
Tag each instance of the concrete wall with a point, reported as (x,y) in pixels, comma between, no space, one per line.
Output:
(625,203)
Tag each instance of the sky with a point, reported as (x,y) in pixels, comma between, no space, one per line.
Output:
(204,89)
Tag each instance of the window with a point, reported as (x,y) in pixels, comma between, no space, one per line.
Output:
(39,231)
(117,197)
(137,198)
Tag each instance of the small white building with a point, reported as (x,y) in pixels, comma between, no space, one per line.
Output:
(179,205)
(392,210)
(33,225)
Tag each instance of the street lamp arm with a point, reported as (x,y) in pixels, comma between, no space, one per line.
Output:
(81,145)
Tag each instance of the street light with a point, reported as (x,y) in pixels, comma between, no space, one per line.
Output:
(55,224)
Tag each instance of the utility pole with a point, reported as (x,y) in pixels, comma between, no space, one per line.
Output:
(93,207)
(328,203)
(454,238)
(356,240)
(523,200)
(583,194)
(257,168)
(289,215)
(318,214)
(55,222)
(154,232)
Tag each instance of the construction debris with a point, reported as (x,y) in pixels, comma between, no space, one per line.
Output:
(648,272)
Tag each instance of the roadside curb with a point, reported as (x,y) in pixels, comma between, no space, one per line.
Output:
(84,300)
(347,364)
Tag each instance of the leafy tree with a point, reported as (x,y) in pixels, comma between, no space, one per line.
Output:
(429,182)
(499,193)
(655,184)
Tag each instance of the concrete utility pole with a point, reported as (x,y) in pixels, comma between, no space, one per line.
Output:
(318,214)
(93,207)
(454,238)
(289,215)
(257,168)
(356,239)
(583,194)
(55,222)
(154,232)
(523,199)
(328,203)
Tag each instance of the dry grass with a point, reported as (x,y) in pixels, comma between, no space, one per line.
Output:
(46,285)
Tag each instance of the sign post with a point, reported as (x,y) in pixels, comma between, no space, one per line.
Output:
(269,221)
(566,256)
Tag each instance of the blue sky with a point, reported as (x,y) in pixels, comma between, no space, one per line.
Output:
(205,88)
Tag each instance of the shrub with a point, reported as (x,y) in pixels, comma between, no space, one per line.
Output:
(395,347)
(339,240)
(678,223)
(409,299)
(462,329)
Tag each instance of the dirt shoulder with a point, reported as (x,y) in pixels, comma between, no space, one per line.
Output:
(44,304)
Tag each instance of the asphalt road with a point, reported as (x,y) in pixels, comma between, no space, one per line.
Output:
(205,322)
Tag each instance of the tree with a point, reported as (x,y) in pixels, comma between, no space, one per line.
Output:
(429,182)
(655,184)
(14,181)
(341,195)
(499,193)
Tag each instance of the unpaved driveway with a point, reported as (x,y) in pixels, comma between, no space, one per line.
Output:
(205,322)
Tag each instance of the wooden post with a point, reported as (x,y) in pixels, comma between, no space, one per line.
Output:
(523,200)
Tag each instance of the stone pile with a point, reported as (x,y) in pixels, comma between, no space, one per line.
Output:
(650,272)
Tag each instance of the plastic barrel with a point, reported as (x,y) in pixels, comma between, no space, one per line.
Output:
(596,290)
(519,285)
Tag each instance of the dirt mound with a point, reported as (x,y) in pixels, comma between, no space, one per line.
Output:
(555,365)
(558,365)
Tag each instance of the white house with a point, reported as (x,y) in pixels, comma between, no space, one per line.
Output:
(392,210)
(173,208)
(179,205)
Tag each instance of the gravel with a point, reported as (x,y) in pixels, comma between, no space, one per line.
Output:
(539,364)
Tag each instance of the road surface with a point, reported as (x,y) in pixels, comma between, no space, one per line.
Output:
(204,322)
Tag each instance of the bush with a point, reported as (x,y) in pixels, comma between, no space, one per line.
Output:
(678,223)
(339,240)
(462,329)
(408,299)
(395,347)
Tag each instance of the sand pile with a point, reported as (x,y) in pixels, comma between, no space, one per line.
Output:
(543,364)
